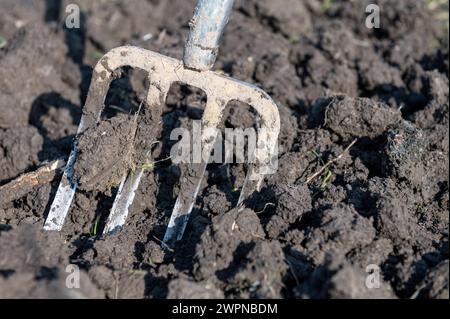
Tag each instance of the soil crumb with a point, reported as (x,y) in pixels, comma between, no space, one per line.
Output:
(359,117)
(105,153)
(20,150)
(338,279)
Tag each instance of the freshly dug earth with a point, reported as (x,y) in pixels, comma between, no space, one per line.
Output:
(379,210)
(104,153)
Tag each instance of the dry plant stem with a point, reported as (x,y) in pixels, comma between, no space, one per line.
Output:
(26,182)
(309,180)
(264,208)
(163,244)
(152,164)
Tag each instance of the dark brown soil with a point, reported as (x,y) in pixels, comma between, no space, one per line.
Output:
(105,153)
(385,203)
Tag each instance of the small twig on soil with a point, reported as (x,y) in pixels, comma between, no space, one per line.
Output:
(264,208)
(137,113)
(163,244)
(324,167)
(25,183)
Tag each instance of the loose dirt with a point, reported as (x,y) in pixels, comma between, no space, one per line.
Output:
(382,204)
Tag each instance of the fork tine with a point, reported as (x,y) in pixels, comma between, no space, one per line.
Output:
(91,114)
(184,203)
(249,187)
(63,198)
(265,164)
(191,183)
(156,96)
(124,198)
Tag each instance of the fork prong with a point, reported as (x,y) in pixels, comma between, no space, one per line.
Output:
(63,198)
(189,189)
(249,187)
(156,96)
(93,107)
(124,198)
(190,184)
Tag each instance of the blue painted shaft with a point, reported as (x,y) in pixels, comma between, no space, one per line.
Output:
(207,25)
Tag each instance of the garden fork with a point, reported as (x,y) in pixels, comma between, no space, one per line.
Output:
(206,27)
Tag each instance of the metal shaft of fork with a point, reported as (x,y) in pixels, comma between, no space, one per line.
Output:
(206,29)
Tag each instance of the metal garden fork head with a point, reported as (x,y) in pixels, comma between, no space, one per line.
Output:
(207,25)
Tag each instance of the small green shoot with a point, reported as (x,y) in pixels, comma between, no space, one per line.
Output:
(135,272)
(230,182)
(435,4)
(326,175)
(3,42)
(97,55)
(147,166)
(318,157)
(421,208)
(326,5)
(95,226)
(325,172)
(326,179)
(439,10)
(294,39)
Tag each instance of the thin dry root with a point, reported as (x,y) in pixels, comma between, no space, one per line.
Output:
(25,183)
